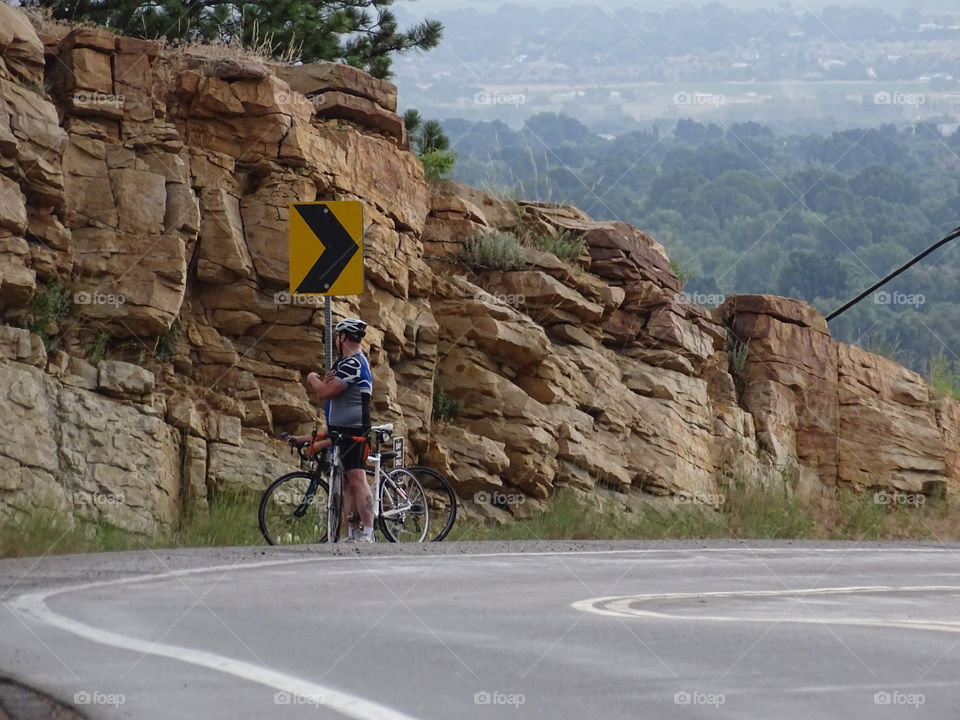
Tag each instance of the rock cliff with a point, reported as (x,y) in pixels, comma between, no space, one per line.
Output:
(154,185)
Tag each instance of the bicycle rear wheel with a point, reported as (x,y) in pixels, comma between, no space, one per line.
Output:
(404,514)
(293,510)
(441,500)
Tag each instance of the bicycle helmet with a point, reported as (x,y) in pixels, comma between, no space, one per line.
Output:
(352,328)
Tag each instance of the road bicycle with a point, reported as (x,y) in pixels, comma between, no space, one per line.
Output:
(441,500)
(441,497)
(307,506)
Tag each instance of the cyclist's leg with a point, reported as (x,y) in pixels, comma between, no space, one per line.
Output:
(349,508)
(360,494)
(354,458)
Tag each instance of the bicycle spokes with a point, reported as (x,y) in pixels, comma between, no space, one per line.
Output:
(289,513)
(403,508)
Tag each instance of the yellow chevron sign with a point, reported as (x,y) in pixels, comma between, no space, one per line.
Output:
(326,248)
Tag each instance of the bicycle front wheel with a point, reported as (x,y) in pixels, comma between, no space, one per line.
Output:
(293,510)
(335,505)
(404,514)
(441,500)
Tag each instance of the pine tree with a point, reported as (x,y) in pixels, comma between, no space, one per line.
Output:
(431,145)
(362,33)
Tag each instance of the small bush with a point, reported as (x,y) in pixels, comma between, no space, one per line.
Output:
(494,250)
(167,344)
(47,307)
(437,164)
(98,348)
(431,145)
(738,352)
(39,88)
(683,274)
(943,381)
(567,246)
(445,408)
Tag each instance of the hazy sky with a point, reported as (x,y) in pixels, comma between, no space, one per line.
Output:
(800,5)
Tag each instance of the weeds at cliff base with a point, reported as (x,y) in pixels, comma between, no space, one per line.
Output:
(748,511)
(230,520)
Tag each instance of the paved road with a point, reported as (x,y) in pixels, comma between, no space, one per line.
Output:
(520,630)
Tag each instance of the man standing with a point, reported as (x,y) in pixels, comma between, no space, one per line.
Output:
(347,388)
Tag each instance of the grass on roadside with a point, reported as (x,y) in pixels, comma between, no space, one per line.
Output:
(230,521)
(747,512)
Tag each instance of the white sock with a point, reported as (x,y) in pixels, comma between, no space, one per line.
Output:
(354,531)
(368,532)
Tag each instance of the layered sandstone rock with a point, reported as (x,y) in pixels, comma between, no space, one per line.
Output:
(880,399)
(156,185)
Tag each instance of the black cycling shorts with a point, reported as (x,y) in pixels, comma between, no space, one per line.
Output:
(353,453)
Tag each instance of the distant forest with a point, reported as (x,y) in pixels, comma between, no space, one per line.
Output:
(742,209)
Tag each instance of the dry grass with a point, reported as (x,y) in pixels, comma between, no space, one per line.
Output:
(228,50)
(231,521)
(260,50)
(47,26)
(746,513)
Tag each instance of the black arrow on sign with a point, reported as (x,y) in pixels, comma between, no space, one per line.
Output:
(339,248)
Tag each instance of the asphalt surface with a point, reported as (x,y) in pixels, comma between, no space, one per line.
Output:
(490,630)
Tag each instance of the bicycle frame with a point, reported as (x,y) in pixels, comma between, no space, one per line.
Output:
(400,509)
(335,485)
(379,477)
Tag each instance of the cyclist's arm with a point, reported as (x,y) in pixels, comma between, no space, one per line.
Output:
(326,388)
(320,442)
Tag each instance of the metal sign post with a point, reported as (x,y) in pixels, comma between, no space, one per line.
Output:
(328,331)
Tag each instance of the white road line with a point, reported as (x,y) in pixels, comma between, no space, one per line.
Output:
(872,687)
(33,605)
(625,606)
(462,556)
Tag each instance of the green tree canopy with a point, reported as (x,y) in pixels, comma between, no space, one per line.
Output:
(362,33)
(809,274)
(431,144)
(554,129)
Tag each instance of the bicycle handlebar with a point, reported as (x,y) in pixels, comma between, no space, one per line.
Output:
(381,433)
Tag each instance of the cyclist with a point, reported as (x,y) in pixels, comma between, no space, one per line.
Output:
(347,388)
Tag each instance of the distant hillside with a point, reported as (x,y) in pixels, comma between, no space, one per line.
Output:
(613,63)
(742,209)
